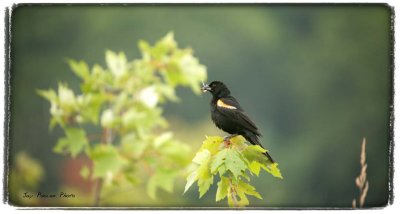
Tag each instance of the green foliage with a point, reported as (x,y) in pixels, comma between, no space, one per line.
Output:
(25,176)
(106,160)
(234,162)
(116,118)
(74,142)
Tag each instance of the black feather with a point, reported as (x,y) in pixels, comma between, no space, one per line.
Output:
(228,115)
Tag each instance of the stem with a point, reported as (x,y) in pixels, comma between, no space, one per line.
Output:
(110,136)
(361,180)
(99,185)
(146,167)
(107,136)
(233,195)
(92,137)
(107,139)
(363,186)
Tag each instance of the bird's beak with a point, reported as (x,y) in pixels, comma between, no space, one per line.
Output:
(205,88)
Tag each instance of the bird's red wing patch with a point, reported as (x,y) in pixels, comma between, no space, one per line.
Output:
(220,103)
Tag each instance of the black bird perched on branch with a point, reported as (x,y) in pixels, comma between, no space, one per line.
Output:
(229,116)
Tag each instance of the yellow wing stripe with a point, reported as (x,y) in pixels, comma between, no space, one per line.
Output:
(224,105)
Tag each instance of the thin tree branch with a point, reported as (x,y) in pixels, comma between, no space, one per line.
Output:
(107,139)
(233,194)
(97,193)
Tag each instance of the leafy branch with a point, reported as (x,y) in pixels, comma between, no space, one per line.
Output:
(116,117)
(234,162)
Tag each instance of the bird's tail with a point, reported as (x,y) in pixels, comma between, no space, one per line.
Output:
(269,157)
(253,139)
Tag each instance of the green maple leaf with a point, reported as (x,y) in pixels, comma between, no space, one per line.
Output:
(163,179)
(234,162)
(202,156)
(218,160)
(255,167)
(81,69)
(74,142)
(212,144)
(222,191)
(273,170)
(205,178)
(190,180)
(248,189)
(106,159)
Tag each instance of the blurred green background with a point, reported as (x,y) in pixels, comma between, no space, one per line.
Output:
(315,78)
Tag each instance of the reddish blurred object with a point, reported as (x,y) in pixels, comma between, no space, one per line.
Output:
(71,175)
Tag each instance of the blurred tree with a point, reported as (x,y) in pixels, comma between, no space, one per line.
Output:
(24,178)
(116,120)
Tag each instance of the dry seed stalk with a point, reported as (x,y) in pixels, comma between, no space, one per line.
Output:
(361,180)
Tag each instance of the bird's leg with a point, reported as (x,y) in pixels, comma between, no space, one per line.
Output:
(228,138)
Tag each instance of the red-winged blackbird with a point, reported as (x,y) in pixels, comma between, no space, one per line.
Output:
(229,116)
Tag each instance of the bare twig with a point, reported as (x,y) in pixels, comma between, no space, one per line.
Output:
(233,194)
(97,193)
(361,180)
(107,136)
(92,137)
